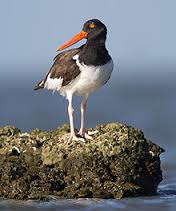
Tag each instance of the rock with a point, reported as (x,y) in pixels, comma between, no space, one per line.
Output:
(118,163)
(15,151)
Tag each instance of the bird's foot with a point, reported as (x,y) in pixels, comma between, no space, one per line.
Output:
(87,134)
(74,137)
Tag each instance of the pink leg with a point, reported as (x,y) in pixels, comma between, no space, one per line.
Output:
(82,130)
(71,118)
(83,109)
(71,115)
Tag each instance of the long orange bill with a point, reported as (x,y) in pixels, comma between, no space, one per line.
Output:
(74,40)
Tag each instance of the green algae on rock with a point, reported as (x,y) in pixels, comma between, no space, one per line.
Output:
(118,163)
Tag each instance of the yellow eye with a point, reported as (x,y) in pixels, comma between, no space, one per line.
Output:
(92,25)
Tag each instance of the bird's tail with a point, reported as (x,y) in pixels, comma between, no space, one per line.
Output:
(40,85)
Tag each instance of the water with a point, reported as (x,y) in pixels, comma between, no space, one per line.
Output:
(146,101)
(164,201)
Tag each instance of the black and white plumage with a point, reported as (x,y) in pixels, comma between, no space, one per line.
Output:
(80,71)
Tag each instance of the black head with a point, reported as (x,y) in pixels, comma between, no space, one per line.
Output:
(95,29)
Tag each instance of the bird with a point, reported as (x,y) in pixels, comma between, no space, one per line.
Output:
(80,71)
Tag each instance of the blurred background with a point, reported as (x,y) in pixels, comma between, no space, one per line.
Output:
(141,40)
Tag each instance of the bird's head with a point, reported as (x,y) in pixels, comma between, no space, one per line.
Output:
(93,30)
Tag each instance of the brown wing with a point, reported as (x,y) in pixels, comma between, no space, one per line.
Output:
(65,67)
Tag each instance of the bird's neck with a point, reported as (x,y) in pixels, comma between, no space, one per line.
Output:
(94,53)
(98,40)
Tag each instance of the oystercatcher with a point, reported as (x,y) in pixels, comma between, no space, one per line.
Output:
(80,71)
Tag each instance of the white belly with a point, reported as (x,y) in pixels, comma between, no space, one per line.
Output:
(90,79)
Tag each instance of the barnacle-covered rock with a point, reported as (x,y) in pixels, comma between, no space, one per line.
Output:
(119,162)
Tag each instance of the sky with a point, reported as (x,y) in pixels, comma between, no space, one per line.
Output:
(141,33)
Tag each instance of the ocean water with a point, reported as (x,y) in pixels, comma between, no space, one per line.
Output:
(146,101)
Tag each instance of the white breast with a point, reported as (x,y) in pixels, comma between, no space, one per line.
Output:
(90,78)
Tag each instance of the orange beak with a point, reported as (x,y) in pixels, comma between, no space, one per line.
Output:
(74,40)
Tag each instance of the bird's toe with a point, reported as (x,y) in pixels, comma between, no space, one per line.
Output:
(75,138)
(88,134)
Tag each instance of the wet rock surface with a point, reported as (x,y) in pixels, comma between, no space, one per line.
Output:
(119,162)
